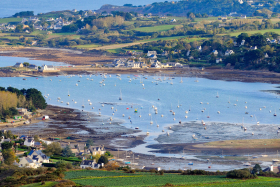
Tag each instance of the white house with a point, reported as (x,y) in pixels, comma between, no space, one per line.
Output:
(119,62)
(33,66)
(242,42)
(47,68)
(243,17)
(266,55)
(199,48)
(175,64)
(173,20)
(150,53)
(29,141)
(28,162)
(218,60)
(229,52)
(156,64)
(273,41)
(90,164)
(215,52)
(38,156)
(132,64)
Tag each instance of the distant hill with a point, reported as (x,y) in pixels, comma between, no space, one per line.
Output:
(210,7)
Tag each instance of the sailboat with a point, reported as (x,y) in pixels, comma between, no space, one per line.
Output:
(68,94)
(181,80)
(178,104)
(217,96)
(275,113)
(83,106)
(247,163)
(151,122)
(120,98)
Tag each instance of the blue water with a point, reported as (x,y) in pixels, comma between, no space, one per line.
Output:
(11,61)
(188,94)
(10,7)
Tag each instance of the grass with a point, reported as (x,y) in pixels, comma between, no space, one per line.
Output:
(254,32)
(118,178)
(118,50)
(47,184)
(155,28)
(87,46)
(8,20)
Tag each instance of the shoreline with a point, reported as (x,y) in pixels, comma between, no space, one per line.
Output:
(83,62)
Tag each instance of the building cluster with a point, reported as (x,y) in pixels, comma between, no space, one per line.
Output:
(149,62)
(42,68)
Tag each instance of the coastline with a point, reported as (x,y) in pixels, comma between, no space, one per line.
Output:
(83,62)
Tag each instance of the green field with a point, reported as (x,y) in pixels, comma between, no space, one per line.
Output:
(254,32)
(118,178)
(87,46)
(8,20)
(155,28)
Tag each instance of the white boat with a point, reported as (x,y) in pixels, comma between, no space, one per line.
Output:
(194,137)
(181,80)
(76,84)
(120,98)
(67,103)
(217,96)
(90,103)
(147,133)
(246,164)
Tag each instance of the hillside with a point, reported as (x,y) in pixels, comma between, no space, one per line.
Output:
(215,7)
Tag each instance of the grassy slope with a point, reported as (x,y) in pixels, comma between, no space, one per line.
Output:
(155,28)
(7,20)
(254,32)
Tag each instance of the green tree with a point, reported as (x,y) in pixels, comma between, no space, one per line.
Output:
(67,152)
(6,145)
(9,156)
(103,159)
(89,142)
(53,149)
(257,169)
(36,97)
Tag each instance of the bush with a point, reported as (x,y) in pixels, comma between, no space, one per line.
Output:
(241,174)
(161,172)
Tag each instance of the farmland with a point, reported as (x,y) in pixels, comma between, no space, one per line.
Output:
(104,178)
(254,32)
(155,28)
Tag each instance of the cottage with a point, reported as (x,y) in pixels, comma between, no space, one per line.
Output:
(218,60)
(273,41)
(38,156)
(28,162)
(90,164)
(173,20)
(199,48)
(274,169)
(243,17)
(18,65)
(266,55)
(150,53)
(175,64)
(229,52)
(156,64)
(33,66)
(242,42)
(96,150)
(215,52)
(22,111)
(29,141)
(119,62)
(47,68)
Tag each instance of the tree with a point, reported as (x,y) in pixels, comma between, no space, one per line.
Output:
(9,156)
(89,143)
(67,152)
(257,169)
(53,149)
(6,145)
(36,97)
(103,159)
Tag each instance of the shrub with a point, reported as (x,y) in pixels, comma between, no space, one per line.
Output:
(241,174)
(161,172)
